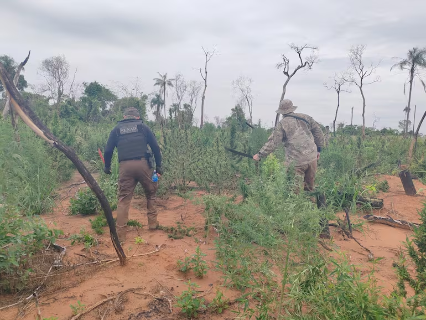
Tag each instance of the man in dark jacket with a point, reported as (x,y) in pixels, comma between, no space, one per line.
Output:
(131,138)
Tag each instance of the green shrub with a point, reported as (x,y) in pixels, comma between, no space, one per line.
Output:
(195,262)
(99,223)
(188,302)
(84,237)
(20,238)
(86,202)
(219,303)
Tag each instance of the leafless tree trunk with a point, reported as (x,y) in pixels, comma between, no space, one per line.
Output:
(339,83)
(243,86)
(412,73)
(22,108)
(181,88)
(7,108)
(352,116)
(360,74)
(306,62)
(208,55)
(414,140)
(414,122)
(193,94)
(55,70)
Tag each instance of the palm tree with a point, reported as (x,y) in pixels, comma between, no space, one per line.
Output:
(416,59)
(163,83)
(156,104)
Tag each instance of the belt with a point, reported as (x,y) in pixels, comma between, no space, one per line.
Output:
(137,158)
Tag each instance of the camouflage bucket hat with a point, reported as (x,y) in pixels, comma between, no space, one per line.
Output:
(131,112)
(286,106)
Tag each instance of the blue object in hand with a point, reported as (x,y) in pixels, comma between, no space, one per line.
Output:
(154,176)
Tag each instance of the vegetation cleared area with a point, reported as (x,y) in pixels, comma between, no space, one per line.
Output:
(241,229)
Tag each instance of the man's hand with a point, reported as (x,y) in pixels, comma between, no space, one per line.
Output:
(318,155)
(107,170)
(256,157)
(159,171)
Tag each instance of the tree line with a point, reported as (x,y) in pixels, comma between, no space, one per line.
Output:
(91,102)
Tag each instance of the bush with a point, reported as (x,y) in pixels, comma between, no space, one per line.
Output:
(20,238)
(26,176)
(86,202)
(189,304)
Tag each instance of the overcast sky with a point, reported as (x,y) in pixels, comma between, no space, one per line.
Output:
(117,41)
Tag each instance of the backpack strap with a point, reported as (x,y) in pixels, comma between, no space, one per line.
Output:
(298,118)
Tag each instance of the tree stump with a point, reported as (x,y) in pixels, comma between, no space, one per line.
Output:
(407,183)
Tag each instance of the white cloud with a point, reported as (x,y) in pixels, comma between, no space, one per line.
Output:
(112,41)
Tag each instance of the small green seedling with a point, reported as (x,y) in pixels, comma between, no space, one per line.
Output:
(134,223)
(139,240)
(185,265)
(84,237)
(219,303)
(194,262)
(199,265)
(189,304)
(76,309)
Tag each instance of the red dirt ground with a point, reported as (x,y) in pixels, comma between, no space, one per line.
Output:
(157,273)
(384,241)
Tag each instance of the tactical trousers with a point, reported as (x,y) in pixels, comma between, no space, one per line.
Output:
(132,172)
(306,173)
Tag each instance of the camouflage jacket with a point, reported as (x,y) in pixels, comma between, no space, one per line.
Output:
(302,139)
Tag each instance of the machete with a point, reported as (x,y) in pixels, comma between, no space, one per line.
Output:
(100,154)
(239,153)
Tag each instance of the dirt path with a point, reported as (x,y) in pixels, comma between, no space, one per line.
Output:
(158,274)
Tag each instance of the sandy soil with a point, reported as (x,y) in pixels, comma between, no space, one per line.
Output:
(157,274)
(384,241)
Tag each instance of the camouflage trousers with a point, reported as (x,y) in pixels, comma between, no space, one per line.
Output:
(306,174)
(132,172)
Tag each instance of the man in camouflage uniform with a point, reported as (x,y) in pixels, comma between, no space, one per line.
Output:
(131,138)
(302,138)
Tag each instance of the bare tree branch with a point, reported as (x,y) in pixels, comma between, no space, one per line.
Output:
(15,82)
(304,62)
(243,86)
(55,70)
(208,55)
(359,74)
(30,118)
(338,84)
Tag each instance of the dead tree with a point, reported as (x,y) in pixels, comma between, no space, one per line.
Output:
(352,116)
(414,140)
(243,86)
(360,74)
(304,62)
(22,108)
(7,108)
(181,88)
(55,71)
(193,94)
(339,82)
(208,55)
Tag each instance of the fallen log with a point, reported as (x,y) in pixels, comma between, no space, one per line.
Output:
(391,222)
(373,202)
(22,108)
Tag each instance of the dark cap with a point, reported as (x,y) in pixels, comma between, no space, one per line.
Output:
(131,112)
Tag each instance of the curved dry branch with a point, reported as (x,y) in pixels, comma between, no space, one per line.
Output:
(30,118)
(15,81)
